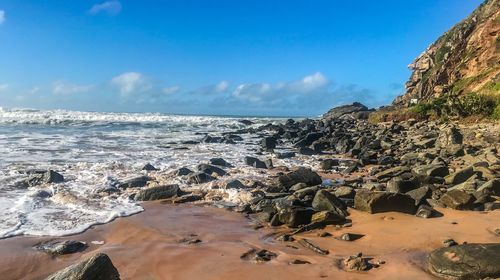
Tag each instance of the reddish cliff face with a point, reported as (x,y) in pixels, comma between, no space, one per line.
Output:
(465,59)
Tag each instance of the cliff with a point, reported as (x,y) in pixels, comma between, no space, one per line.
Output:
(464,60)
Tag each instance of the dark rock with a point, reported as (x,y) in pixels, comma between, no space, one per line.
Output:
(98,267)
(392,172)
(327,164)
(400,185)
(61,247)
(285,155)
(492,187)
(450,136)
(41,194)
(460,176)
(210,169)
(42,177)
(345,192)
(449,243)
(191,241)
(327,218)
(457,199)
(379,202)
(183,171)
(424,211)
(220,162)
(297,261)
(295,217)
(259,256)
(263,217)
(235,184)
(268,143)
(386,160)
(420,194)
(298,186)
(246,122)
(301,175)
(137,182)
(307,151)
(149,167)
(255,162)
(325,201)
(156,193)
(356,263)
(187,198)
(350,237)
(431,170)
(199,178)
(264,256)
(467,261)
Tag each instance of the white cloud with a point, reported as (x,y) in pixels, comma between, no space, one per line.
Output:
(170,90)
(310,83)
(60,87)
(110,7)
(4,87)
(131,82)
(2,16)
(222,86)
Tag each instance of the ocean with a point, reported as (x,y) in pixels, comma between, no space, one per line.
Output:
(95,151)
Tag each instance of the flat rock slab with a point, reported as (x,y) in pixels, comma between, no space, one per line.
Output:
(467,261)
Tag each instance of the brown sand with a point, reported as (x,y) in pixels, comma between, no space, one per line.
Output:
(146,246)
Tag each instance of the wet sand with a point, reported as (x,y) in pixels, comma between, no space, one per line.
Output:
(147,245)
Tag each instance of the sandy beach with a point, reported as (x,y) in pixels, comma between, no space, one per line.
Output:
(149,245)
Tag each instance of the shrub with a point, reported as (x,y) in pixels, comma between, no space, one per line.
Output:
(475,104)
(422,109)
(496,113)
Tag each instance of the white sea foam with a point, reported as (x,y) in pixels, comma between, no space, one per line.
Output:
(94,150)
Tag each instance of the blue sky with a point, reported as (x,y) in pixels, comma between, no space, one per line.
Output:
(258,57)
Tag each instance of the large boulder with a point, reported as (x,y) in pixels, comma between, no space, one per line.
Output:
(39,177)
(156,193)
(268,143)
(402,185)
(137,182)
(432,170)
(210,169)
(460,176)
(467,261)
(380,202)
(392,172)
(295,217)
(97,267)
(301,175)
(199,178)
(450,136)
(491,187)
(343,110)
(457,199)
(325,201)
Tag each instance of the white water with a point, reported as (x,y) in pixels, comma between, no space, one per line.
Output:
(95,150)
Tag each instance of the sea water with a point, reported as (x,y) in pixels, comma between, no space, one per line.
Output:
(94,150)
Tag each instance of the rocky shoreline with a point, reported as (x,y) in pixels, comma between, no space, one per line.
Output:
(410,167)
